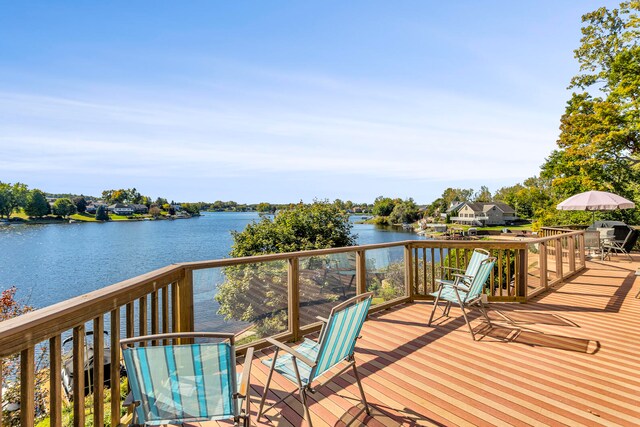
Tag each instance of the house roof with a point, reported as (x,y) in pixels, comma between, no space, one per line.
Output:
(120,206)
(485,207)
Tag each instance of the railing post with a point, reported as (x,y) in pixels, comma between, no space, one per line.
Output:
(78,379)
(558,243)
(55,380)
(571,243)
(523,273)
(27,387)
(185,315)
(581,250)
(542,253)
(408,276)
(115,367)
(293,297)
(361,272)
(98,372)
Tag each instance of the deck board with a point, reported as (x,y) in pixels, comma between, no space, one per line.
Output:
(572,358)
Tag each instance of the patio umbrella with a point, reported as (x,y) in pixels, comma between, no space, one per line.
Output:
(595,201)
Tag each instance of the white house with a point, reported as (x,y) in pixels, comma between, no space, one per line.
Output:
(122,209)
(494,213)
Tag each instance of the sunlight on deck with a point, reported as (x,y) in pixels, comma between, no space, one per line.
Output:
(567,357)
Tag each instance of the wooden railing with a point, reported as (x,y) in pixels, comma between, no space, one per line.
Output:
(163,301)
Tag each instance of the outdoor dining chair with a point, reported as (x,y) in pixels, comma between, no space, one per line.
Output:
(624,246)
(464,294)
(306,362)
(177,384)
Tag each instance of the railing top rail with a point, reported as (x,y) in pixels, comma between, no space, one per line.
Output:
(34,327)
(226,262)
(567,234)
(31,328)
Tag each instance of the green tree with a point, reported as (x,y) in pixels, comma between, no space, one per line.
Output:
(599,144)
(483,195)
(81,204)
(383,206)
(404,212)
(102,214)
(265,207)
(64,207)
(12,198)
(37,204)
(257,293)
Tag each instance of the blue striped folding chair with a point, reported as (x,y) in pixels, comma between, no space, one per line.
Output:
(477,257)
(176,384)
(465,293)
(309,360)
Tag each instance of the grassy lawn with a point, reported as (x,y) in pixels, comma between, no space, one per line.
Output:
(83,217)
(118,217)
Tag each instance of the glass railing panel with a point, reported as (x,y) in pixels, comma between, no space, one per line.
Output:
(324,282)
(248,300)
(385,273)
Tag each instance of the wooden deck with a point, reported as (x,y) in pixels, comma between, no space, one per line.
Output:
(569,357)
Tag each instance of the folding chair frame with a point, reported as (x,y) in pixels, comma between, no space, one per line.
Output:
(240,393)
(305,389)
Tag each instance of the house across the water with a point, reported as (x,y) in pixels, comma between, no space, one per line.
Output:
(476,213)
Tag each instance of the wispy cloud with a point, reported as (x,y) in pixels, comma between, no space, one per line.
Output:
(306,124)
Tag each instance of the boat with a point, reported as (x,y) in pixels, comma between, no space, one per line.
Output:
(67,366)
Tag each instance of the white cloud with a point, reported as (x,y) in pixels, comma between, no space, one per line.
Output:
(317,125)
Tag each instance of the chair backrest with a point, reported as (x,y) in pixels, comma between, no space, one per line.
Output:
(606,233)
(478,256)
(344,260)
(175,384)
(477,284)
(338,338)
(631,240)
(591,239)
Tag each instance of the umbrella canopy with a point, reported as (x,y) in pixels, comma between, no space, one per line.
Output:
(595,201)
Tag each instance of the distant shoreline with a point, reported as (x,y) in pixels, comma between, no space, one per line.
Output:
(78,218)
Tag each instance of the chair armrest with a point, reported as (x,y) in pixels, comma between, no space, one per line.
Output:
(245,377)
(444,267)
(460,286)
(322,319)
(291,351)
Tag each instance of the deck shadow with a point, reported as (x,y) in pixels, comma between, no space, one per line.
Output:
(530,318)
(538,339)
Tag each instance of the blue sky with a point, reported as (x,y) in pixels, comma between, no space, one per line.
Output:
(282,101)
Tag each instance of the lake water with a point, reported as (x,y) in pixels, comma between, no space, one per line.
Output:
(52,263)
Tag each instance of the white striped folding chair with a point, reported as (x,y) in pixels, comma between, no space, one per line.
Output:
(176,384)
(309,360)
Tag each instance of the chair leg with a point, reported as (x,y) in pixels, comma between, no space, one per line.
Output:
(466,319)
(435,305)
(447,308)
(483,310)
(303,399)
(464,314)
(364,399)
(266,386)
